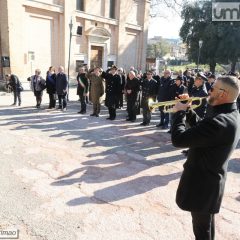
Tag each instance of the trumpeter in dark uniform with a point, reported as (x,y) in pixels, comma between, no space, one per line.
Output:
(149,90)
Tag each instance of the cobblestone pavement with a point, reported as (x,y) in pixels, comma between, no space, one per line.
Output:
(67,176)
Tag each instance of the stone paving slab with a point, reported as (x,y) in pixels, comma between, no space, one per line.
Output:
(66,176)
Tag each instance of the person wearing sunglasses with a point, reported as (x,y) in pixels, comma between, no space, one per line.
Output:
(211,142)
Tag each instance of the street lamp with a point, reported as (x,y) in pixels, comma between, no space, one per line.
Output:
(69,53)
(199,52)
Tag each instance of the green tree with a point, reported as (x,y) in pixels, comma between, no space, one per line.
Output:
(220,39)
(158,49)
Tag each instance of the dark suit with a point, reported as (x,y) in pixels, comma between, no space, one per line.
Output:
(211,142)
(61,89)
(113,90)
(149,90)
(51,88)
(164,94)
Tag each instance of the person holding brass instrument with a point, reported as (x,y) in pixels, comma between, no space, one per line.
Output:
(164,94)
(149,91)
(211,142)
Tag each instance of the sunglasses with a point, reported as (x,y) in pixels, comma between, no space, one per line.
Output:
(212,89)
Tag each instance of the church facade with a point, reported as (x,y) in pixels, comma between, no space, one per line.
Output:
(42,33)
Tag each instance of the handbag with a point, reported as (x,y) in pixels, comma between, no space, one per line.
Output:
(20,88)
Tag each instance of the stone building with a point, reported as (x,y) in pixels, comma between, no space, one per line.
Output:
(36,34)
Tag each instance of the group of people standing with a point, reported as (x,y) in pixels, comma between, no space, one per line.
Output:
(56,85)
(211,132)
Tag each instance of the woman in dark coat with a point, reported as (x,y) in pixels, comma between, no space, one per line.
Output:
(132,91)
(51,87)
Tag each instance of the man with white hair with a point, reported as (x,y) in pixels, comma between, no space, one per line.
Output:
(61,88)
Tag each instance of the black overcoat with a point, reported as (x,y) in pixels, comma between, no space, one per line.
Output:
(113,89)
(211,142)
(51,83)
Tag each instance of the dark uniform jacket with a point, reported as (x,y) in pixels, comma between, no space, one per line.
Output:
(164,89)
(83,84)
(200,92)
(175,90)
(113,89)
(210,142)
(149,90)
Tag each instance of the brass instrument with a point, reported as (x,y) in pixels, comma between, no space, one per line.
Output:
(168,105)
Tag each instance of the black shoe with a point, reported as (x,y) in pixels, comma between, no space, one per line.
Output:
(110,118)
(159,125)
(185,152)
(164,127)
(132,120)
(93,114)
(144,124)
(97,115)
(128,119)
(82,112)
(169,131)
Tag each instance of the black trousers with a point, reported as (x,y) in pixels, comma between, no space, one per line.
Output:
(17,96)
(62,99)
(52,100)
(83,101)
(112,112)
(203,226)
(131,109)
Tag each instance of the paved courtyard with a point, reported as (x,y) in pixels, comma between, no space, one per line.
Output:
(66,176)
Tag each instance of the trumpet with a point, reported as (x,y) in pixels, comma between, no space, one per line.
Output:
(168,105)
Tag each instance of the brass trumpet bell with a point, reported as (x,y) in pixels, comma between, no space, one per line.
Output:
(168,105)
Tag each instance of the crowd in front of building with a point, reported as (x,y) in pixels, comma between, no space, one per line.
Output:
(134,87)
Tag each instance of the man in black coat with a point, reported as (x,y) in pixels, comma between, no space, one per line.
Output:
(211,142)
(113,90)
(164,94)
(61,88)
(51,86)
(16,87)
(82,89)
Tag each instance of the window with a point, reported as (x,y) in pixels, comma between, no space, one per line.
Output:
(110,63)
(80,5)
(112,8)
(79,63)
